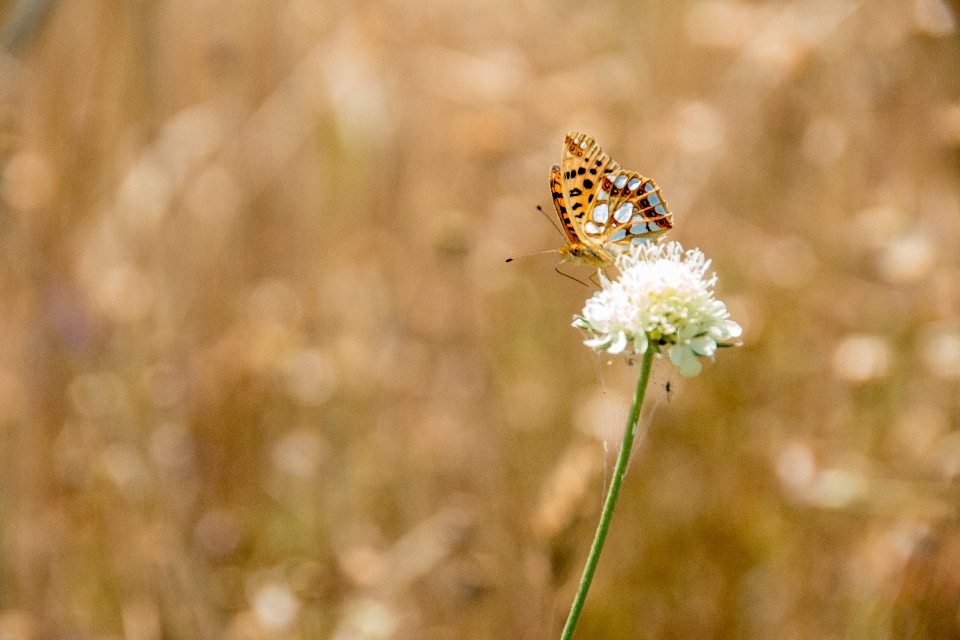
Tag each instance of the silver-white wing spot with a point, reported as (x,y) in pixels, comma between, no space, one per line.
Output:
(601,213)
(624,212)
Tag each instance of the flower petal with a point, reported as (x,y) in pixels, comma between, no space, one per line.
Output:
(619,343)
(688,331)
(641,343)
(690,367)
(703,346)
(598,343)
(679,353)
(596,312)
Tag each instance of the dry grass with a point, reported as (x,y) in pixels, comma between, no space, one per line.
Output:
(264,372)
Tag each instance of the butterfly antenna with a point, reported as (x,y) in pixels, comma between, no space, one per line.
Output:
(535,253)
(553,222)
(556,268)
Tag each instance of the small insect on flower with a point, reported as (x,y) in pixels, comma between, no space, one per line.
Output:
(662,298)
(603,209)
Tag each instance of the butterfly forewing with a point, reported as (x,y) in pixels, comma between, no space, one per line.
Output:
(583,165)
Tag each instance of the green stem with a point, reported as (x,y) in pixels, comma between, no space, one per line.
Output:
(618,473)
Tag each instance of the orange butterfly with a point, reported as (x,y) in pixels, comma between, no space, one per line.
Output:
(602,208)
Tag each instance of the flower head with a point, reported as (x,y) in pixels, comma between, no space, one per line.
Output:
(663,297)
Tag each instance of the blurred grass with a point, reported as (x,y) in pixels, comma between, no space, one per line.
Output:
(265,373)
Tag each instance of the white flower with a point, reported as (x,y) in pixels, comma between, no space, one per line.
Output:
(663,297)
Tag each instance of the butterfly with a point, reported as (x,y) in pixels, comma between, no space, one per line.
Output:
(602,208)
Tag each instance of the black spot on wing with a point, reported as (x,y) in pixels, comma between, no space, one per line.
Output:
(576,192)
(587,183)
(576,206)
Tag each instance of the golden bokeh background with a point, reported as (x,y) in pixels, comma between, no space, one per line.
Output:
(265,374)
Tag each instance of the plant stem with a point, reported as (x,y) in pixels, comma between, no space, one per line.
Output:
(611,502)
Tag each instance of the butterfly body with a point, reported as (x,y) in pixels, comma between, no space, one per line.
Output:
(602,208)
(584,254)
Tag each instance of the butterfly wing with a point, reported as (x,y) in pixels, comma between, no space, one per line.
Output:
(556,189)
(628,209)
(583,165)
(603,209)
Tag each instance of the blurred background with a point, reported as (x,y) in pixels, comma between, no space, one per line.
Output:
(265,374)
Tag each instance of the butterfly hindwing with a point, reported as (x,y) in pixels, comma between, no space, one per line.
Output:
(634,213)
(556,190)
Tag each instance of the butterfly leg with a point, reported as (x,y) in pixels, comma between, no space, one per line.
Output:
(599,277)
(556,268)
